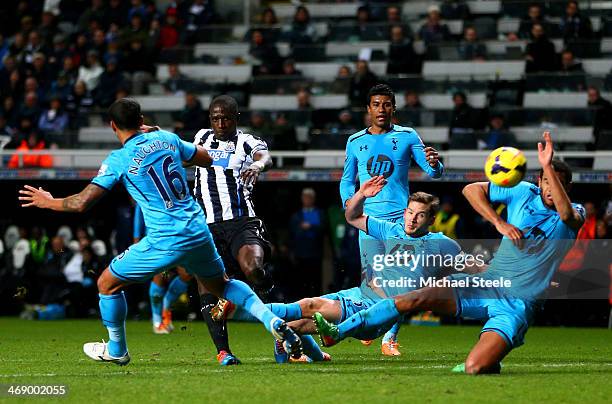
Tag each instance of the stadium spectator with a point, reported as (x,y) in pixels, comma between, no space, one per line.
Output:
(448,221)
(22,159)
(9,110)
(169,31)
(301,32)
(59,51)
(470,48)
(283,133)
(17,48)
(61,87)
(91,71)
(341,82)
(433,31)
(303,100)
(455,10)
(394,18)
(402,59)
(289,69)
(70,70)
(113,52)
(197,15)
(307,231)
(411,111)
(360,83)
(269,25)
(34,45)
(191,118)
(365,30)
(110,81)
(344,125)
(534,16)
(498,134)
(40,71)
(574,25)
(540,52)
(96,11)
(602,119)
(30,109)
(14,86)
(78,105)
(5,128)
(53,122)
(135,31)
(117,13)
(569,63)
(51,273)
(260,127)
(464,123)
(137,64)
(265,55)
(177,83)
(79,48)
(98,42)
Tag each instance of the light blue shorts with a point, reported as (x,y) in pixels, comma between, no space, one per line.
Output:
(352,301)
(142,261)
(507,316)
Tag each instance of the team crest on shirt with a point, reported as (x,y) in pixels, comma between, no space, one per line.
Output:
(230,146)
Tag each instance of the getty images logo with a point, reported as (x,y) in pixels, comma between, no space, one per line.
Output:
(380,165)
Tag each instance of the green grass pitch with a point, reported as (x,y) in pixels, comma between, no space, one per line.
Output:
(555,365)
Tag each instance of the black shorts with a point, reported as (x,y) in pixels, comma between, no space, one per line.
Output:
(230,235)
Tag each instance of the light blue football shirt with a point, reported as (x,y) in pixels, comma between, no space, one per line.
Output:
(149,165)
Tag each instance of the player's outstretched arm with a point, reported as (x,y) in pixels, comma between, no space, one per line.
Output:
(81,202)
(354,210)
(477,195)
(201,158)
(562,202)
(263,162)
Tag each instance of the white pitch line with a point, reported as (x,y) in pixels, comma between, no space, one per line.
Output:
(299,368)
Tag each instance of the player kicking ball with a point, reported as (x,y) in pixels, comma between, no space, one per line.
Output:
(541,228)
(150,167)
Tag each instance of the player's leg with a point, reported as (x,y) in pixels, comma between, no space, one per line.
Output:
(113,310)
(214,279)
(250,258)
(178,286)
(157,290)
(384,313)
(389,344)
(487,354)
(217,328)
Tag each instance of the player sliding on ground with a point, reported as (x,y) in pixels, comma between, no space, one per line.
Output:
(384,149)
(411,236)
(542,226)
(150,167)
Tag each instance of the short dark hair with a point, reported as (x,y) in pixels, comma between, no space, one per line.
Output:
(225,101)
(381,89)
(428,199)
(125,113)
(560,167)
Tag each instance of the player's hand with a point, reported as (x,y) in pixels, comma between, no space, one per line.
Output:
(251,174)
(31,196)
(510,231)
(432,156)
(545,151)
(373,186)
(147,128)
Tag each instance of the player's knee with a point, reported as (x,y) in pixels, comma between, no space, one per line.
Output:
(253,270)
(473,367)
(309,306)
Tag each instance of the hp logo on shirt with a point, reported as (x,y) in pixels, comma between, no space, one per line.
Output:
(380,165)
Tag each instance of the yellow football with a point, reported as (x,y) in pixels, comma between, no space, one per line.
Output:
(506,166)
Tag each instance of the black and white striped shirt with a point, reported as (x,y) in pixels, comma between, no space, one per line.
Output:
(219,189)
